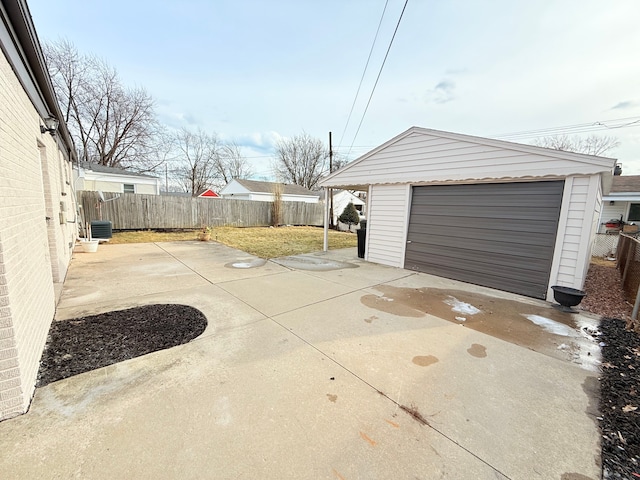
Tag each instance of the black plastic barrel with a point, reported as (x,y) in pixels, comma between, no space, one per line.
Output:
(362,235)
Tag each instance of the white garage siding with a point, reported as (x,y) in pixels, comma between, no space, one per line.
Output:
(387,224)
(421,155)
(578,224)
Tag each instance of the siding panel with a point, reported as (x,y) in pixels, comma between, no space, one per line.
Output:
(387,225)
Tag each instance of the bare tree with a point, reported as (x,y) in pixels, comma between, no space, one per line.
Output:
(198,153)
(231,164)
(111,125)
(591,145)
(301,160)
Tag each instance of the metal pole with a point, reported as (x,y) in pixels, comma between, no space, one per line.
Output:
(330,191)
(325,243)
(636,306)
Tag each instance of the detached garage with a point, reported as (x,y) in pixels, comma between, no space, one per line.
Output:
(504,215)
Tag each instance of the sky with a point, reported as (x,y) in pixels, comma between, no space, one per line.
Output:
(257,71)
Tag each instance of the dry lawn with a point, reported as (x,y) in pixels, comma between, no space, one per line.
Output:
(264,242)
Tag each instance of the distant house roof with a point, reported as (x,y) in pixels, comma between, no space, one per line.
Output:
(337,192)
(95,167)
(269,187)
(626,183)
(208,193)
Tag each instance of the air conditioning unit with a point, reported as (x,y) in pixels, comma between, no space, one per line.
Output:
(101,229)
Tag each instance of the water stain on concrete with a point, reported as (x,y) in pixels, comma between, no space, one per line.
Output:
(535,324)
(574,476)
(424,361)
(332,398)
(477,350)
(316,264)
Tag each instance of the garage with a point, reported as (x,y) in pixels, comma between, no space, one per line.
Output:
(495,235)
(504,215)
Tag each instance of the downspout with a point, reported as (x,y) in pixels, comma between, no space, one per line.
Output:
(325,244)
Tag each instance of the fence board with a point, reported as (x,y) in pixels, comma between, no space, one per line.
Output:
(132,211)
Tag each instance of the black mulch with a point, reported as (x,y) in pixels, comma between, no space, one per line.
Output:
(82,344)
(619,401)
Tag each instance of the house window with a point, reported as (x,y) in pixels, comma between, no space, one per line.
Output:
(634,212)
(129,188)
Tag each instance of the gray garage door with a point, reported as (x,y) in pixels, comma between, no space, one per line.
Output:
(496,235)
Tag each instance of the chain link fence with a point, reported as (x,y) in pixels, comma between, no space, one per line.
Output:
(628,252)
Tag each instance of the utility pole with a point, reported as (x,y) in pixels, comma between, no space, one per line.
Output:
(166,177)
(330,191)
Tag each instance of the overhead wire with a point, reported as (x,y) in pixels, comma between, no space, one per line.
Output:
(365,70)
(379,73)
(571,129)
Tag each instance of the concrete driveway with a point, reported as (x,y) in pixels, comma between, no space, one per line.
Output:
(323,366)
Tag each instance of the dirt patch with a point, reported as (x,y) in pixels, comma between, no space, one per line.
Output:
(82,344)
(604,292)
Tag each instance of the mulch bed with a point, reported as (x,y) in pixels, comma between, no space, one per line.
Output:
(619,400)
(83,344)
(620,378)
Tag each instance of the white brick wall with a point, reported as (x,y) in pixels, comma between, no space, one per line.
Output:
(34,252)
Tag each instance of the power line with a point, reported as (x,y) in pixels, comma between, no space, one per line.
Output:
(379,73)
(573,129)
(365,70)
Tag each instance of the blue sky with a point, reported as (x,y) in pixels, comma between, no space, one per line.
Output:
(256,71)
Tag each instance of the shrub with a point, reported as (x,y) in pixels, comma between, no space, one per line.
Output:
(349,216)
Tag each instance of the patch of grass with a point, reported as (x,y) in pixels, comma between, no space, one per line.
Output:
(264,242)
(151,236)
(603,262)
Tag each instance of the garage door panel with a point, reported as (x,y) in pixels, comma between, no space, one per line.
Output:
(520,188)
(472,224)
(497,235)
(538,251)
(525,283)
(501,213)
(478,261)
(528,238)
(493,201)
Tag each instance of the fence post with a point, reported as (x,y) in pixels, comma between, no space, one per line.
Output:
(626,264)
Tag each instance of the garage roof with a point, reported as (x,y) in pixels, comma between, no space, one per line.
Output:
(426,156)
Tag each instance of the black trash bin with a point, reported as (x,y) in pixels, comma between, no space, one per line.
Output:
(362,235)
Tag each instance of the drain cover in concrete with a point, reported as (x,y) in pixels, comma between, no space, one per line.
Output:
(303,262)
(252,263)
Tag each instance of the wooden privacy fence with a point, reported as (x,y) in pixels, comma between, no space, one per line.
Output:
(629,265)
(132,211)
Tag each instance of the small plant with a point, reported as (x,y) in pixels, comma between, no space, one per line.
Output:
(349,216)
(205,233)
(276,206)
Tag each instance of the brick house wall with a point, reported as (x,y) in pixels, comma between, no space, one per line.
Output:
(35,240)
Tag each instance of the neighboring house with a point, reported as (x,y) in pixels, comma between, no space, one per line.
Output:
(263,191)
(94,177)
(38,225)
(504,215)
(622,202)
(207,193)
(342,198)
